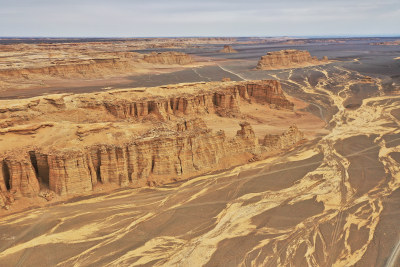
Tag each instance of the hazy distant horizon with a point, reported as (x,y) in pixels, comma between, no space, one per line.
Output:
(208,18)
(204,36)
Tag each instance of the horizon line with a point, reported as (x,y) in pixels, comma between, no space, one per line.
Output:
(204,36)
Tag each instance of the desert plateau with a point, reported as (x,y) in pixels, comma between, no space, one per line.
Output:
(199,157)
(213,133)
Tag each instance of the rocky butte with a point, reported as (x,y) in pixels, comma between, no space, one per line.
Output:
(228,49)
(285,59)
(65,145)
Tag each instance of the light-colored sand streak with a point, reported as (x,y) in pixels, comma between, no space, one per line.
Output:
(234,73)
(201,76)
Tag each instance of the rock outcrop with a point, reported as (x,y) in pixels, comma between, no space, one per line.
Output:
(284,140)
(222,98)
(288,59)
(228,49)
(224,101)
(168,58)
(171,155)
(17,179)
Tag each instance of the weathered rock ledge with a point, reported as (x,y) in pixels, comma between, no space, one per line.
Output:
(285,59)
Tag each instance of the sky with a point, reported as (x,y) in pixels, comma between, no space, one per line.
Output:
(172,18)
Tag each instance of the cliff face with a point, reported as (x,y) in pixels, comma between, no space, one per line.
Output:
(169,156)
(222,101)
(168,58)
(17,179)
(288,59)
(191,149)
(228,49)
(85,67)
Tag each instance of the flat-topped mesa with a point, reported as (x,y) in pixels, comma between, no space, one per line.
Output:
(168,58)
(85,67)
(228,49)
(222,100)
(292,58)
(155,104)
(41,67)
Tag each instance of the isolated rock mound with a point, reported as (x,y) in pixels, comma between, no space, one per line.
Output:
(228,49)
(284,59)
(168,58)
(284,140)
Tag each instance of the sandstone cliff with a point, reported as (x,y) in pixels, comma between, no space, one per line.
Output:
(288,59)
(167,156)
(168,58)
(158,103)
(228,49)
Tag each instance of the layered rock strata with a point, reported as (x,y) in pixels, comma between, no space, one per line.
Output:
(224,101)
(159,103)
(169,156)
(79,68)
(288,59)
